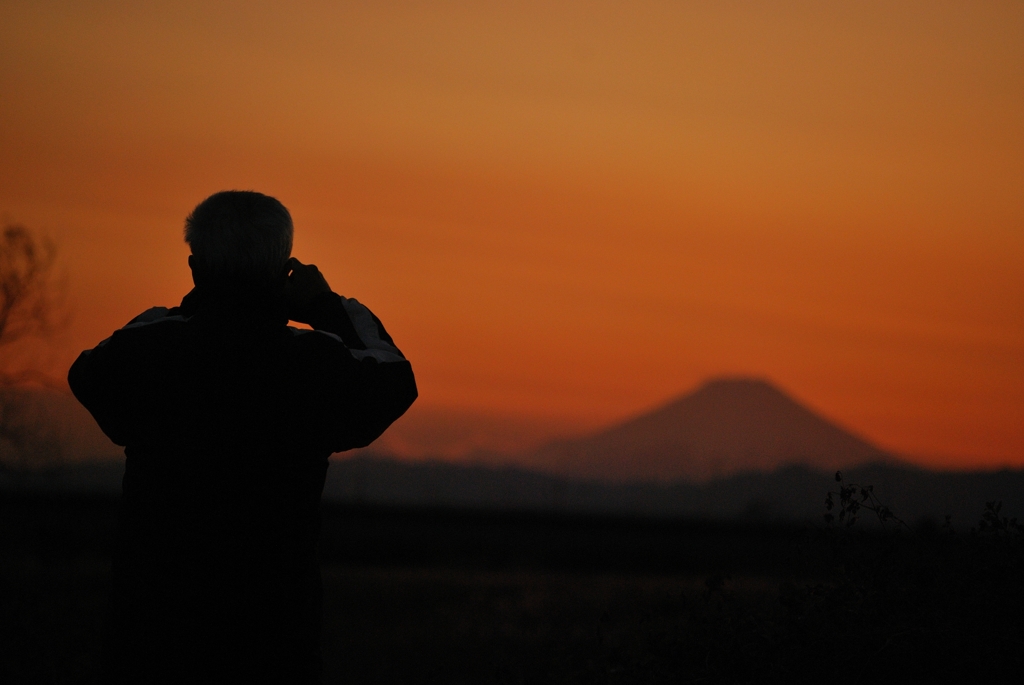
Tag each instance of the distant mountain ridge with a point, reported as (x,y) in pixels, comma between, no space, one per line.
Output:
(794,493)
(725,427)
(53,426)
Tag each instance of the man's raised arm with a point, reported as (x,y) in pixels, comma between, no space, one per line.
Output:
(383,387)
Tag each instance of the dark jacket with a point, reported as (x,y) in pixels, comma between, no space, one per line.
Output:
(228,417)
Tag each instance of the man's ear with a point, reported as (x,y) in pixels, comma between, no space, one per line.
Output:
(193,266)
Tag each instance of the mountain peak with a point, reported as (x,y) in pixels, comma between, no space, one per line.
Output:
(737,382)
(735,388)
(727,425)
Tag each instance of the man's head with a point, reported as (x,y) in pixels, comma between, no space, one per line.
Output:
(238,237)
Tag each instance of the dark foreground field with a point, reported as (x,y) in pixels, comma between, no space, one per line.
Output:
(417,596)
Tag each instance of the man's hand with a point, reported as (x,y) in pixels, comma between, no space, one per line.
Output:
(304,282)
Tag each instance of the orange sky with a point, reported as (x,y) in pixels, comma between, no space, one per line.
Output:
(569,210)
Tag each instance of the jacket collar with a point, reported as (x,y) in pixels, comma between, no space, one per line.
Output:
(235,307)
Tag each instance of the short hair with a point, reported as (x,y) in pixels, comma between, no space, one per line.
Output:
(240,235)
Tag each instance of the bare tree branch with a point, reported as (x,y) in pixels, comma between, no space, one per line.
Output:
(29,299)
(30,305)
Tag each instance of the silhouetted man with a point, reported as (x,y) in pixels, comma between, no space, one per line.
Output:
(228,416)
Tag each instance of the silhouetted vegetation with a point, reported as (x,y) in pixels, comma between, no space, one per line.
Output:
(897,604)
(414,595)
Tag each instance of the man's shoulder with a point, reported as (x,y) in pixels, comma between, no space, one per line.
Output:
(156,316)
(153,325)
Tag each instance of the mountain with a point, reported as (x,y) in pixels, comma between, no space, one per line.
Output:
(725,427)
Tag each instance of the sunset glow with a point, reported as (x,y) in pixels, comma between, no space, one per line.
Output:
(570,212)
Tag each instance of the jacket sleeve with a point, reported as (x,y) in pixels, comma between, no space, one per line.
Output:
(380,386)
(106,379)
